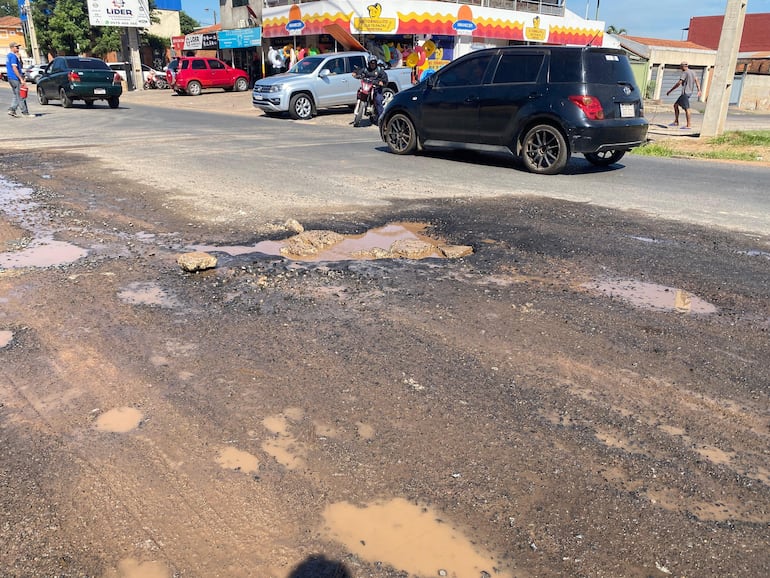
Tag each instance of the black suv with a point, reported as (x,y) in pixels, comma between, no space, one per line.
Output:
(541,103)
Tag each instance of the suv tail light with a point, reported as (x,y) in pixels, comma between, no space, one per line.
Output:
(117,79)
(73,76)
(590,106)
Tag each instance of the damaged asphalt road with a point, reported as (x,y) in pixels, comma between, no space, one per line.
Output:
(586,394)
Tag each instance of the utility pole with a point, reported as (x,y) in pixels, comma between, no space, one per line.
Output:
(724,69)
(32,34)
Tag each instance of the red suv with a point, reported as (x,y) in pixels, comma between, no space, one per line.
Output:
(193,74)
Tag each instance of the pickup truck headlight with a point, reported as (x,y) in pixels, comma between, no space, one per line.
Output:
(276,88)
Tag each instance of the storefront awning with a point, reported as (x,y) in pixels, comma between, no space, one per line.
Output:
(343,37)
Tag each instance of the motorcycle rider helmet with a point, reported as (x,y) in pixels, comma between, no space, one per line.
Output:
(372,63)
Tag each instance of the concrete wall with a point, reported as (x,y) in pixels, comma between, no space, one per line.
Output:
(755,94)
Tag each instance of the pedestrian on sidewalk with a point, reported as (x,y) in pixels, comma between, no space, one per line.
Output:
(16,80)
(688,81)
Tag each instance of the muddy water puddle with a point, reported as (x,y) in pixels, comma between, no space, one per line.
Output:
(410,538)
(651,295)
(6,338)
(119,420)
(147,293)
(42,251)
(390,241)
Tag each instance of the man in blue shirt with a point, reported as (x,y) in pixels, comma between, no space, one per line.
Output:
(16,80)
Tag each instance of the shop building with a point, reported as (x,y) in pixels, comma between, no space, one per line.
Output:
(434,31)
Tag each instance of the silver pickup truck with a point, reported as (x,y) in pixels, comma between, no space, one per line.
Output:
(320,81)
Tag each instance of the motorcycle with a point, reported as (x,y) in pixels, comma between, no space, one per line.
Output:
(365,103)
(155,81)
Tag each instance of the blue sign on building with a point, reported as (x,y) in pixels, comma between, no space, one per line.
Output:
(168,5)
(240,38)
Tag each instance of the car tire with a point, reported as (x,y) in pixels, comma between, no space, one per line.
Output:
(194,88)
(179,91)
(114,101)
(604,158)
(241,85)
(301,107)
(41,97)
(387,95)
(544,150)
(66,101)
(400,135)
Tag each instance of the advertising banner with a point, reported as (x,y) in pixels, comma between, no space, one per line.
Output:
(206,41)
(126,13)
(240,38)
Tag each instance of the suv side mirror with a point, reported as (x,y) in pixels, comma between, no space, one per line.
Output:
(324,73)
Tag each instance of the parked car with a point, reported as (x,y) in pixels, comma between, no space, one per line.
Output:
(70,78)
(31,73)
(540,103)
(194,74)
(122,67)
(320,81)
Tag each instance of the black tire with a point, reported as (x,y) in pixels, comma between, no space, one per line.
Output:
(194,88)
(241,85)
(301,107)
(604,158)
(401,135)
(359,113)
(113,101)
(41,97)
(179,91)
(66,101)
(544,150)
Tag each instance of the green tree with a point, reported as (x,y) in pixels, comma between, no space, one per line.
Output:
(187,22)
(9,8)
(62,27)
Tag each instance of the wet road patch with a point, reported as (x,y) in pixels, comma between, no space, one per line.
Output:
(392,241)
(119,420)
(409,537)
(650,295)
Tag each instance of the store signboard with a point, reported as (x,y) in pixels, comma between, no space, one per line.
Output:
(240,38)
(126,13)
(206,41)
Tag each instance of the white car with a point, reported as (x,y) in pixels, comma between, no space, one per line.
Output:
(32,73)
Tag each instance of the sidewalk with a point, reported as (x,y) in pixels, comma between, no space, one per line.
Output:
(661,115)
(239,103)
(214,100)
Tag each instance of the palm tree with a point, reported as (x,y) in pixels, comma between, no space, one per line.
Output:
(614,30)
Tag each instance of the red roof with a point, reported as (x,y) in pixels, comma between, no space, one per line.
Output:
(663,43)
(706,30)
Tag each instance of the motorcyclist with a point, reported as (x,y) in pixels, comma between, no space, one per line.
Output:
(379,79)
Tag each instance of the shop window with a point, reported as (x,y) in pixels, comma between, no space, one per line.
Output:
(237,3)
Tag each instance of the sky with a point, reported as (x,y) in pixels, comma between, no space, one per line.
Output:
(649,18)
